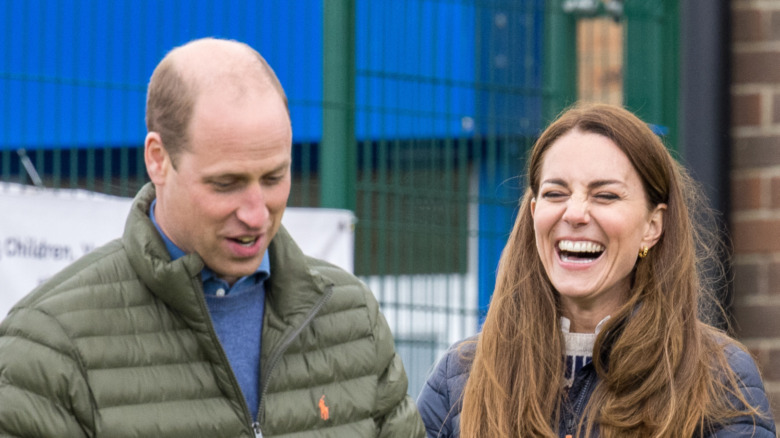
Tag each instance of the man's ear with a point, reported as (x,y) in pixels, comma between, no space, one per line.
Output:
(158,162)
(655,226)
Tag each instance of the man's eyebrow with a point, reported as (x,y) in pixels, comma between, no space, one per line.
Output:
(241,176)
(284,166)
(235,176)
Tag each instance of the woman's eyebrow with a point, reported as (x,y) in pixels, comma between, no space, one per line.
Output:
(604,182)
(555,181)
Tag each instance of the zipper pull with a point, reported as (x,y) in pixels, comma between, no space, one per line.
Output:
(256,430)
(570,422)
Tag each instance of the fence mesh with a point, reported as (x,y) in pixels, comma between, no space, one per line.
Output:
(448,99)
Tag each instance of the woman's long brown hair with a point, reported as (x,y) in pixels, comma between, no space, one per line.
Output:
(662,370)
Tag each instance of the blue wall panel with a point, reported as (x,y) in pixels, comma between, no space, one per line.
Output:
(415,65)
(73,73)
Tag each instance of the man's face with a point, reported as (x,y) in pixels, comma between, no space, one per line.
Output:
(226,196)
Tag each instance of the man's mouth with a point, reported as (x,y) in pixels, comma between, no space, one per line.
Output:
(579,251)
(246,241)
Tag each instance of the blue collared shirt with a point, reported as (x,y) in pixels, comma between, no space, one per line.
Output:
(237,314)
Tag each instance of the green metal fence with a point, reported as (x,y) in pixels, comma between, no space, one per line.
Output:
(427,109)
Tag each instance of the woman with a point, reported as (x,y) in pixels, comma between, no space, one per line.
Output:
(593,329)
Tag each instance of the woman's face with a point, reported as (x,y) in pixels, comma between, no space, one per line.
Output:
(591,218)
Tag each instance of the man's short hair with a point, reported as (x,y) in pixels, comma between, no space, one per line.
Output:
(171,97)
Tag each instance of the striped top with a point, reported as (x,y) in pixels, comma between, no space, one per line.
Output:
(579,348)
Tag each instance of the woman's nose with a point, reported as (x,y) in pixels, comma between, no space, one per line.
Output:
(577,211)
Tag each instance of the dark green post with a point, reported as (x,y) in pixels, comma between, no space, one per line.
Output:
(338,150)
(651,83)
(560,59)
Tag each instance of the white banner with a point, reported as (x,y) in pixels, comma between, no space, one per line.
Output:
(42,231)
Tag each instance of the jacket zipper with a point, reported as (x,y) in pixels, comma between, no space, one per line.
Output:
(254,425)
(277,356)
(574,412)
(256,430)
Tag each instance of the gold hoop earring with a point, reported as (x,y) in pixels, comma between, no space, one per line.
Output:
(643,252)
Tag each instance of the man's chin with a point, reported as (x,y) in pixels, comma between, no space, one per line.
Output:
(231,274)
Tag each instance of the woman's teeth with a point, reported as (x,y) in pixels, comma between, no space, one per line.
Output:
(579,246)
(579,251)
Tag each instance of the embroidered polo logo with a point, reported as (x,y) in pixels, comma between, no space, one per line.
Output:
(324,410)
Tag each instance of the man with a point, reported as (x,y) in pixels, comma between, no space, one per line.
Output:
(205,319)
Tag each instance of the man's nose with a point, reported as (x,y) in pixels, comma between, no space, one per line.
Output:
(253,211)
(577,211)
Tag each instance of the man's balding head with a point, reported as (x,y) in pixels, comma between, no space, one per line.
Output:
(201,65)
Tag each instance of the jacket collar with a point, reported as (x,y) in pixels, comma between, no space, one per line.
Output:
(171,281)
(295,286)
(292,290)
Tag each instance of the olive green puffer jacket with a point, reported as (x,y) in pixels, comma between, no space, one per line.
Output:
(120,344)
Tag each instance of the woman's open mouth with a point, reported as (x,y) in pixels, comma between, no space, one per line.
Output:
(571,251)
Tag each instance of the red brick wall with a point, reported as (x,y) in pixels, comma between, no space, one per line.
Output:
(755,178)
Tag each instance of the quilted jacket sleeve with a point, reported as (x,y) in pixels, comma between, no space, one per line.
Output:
(398,416)
(434,402)
(753,390)
(440,400)
(43,392)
